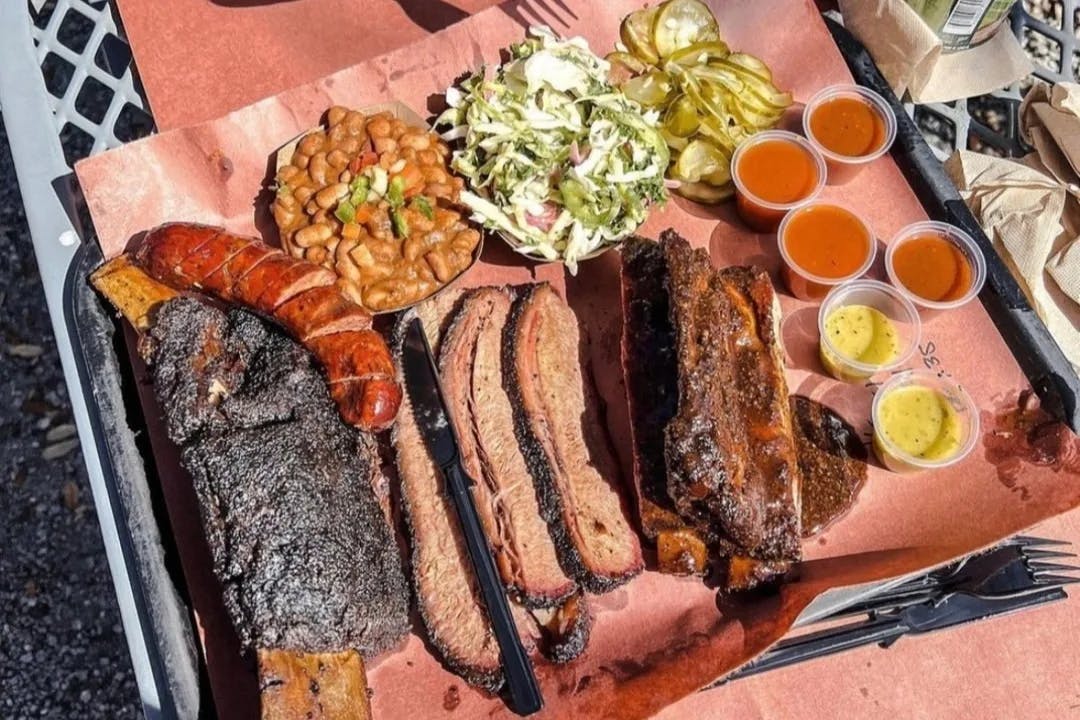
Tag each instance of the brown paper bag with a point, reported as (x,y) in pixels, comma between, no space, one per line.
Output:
(1031,217)
(912,58)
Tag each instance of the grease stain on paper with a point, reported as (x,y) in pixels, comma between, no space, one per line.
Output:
(451,698)
(1021,434)
(224,165)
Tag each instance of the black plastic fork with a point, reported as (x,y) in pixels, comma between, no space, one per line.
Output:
(1014,576)
(1035,554)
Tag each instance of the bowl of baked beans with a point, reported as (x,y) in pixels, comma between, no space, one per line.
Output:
(369,195)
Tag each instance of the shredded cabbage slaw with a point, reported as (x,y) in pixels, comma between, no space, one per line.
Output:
(555,157)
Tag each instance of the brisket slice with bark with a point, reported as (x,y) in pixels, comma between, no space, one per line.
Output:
(447,595)
(562,438)
(444,582)
(306,559)
(470,366)
(730,449)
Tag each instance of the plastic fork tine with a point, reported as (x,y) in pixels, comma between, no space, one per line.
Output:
(569,11)
(1031,541)
(1041,567)
(1053,581)
(1045,554)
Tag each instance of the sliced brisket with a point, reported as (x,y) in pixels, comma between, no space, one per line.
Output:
(446,592)
(470,366)
(564,630)
(563,440)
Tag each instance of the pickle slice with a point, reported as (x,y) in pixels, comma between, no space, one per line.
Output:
(681,23)
(752,119)
(722,135)
(709,104)
(636,32)
(622,67)
(750,64)
(754,83)
(650,89)
(634,64)
(700,53)
(681,118)
(674,142)
(701,161)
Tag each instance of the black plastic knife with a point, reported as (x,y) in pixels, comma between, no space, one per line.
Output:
(429,410)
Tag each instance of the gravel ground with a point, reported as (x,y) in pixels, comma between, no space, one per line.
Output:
(62,648)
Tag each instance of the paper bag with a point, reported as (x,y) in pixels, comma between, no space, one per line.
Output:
(1026,212)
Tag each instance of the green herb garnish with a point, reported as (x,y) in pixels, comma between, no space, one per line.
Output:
(359,188)
(395,195)
(401,225)
(424,207)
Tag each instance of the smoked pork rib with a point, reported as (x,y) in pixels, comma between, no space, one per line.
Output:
(651,371)
(305,557)
(447,594)
(774,482)
(470,366)
(561,435)
(730,450)
(300,295)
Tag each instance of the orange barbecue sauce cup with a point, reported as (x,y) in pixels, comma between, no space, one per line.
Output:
(774,171)
(851,126)
(823,245)
(936,265)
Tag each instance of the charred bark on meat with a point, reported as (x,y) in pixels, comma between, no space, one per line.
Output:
(299,543)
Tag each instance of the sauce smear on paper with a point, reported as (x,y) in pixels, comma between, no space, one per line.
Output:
(933,268)
(1024,434)
(848,126)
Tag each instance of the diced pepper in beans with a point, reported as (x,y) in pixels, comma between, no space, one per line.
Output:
(372,199)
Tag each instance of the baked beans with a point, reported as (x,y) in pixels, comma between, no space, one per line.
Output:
(371,198)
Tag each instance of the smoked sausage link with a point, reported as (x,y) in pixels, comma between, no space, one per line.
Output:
(299,295)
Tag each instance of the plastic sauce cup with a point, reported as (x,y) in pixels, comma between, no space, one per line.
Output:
(966,413)
(960,240)
(843,168)
(889,302)
(760,213)
(802,282)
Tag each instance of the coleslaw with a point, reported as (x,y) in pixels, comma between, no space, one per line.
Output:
(555,157)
